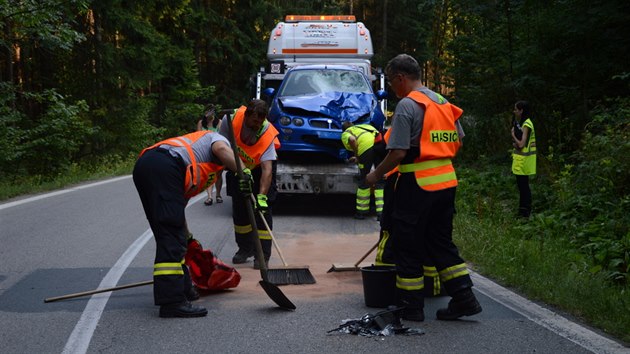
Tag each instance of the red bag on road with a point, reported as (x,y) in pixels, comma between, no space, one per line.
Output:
(207,271)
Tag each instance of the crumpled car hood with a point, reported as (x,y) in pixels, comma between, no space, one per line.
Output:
(342,106)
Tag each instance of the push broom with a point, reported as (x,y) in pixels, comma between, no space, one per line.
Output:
(355,267)
(285,275)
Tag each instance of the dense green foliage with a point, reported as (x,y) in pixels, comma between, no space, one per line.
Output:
(580,197)
(88,83)
(538,257)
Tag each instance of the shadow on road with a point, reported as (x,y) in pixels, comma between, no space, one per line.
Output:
(314,204)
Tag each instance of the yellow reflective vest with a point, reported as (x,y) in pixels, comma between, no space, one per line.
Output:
(524,160)
(363,133)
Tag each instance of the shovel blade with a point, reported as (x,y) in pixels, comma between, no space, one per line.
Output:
(276,295)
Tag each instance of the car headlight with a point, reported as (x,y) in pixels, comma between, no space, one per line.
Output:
(285,120)
(298,122)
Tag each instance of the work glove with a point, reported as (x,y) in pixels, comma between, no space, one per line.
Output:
(261,203)
(245,185)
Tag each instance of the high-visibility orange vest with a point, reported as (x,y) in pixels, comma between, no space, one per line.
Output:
(439,143)
(199,174)
(251,154)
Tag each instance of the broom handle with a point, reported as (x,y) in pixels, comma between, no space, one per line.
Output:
(84,293)
(273,239)
(366,254)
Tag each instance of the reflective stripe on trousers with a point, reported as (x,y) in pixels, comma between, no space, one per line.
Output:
(409,283)
(378,199)
(168,268)
(456,271)
(431,272)
(363,200)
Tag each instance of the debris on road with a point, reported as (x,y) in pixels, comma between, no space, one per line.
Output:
(383,323)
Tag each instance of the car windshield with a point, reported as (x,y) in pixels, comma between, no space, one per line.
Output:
(312,82)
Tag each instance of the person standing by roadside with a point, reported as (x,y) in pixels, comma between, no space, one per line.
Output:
(425,137)
(524,155)
(210,121)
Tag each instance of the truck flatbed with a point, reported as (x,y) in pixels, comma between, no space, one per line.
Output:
(310,178)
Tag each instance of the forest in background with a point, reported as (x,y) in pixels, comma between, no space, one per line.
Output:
(87,82)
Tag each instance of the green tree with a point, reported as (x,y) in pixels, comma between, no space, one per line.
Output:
(561,56)
(41,129)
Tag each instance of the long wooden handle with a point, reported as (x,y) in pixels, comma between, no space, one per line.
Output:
(97,291)
(366,254)
(273,239)
(248,205)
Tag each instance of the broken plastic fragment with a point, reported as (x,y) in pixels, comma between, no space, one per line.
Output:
(383,323)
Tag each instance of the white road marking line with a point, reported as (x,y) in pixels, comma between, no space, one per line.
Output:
(59,192)
(79,340)
(552,321)
(81,336)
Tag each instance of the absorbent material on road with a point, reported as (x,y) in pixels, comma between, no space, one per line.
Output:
(383,323)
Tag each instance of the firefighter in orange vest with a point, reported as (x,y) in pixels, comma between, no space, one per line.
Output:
(166,175)
(257,141)
(425,137)
(385,250)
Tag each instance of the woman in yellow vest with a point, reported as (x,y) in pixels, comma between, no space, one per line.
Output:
(524,155)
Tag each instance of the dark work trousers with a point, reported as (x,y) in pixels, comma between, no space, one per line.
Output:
(525,200)
(385,250)
(370,157)
(422,228)
(245,242)
(244,237)
(159,179)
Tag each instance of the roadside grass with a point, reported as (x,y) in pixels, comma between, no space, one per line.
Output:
(540,264)
(13,186)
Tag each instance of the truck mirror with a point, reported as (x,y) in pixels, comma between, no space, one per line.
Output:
(269,92)
(381,94)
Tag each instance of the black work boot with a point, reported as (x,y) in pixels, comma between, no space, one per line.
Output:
(192,294)
(412,311)
(257,266)
(360,215)
(241,256)
(415,314)
(463,303)
(182,309)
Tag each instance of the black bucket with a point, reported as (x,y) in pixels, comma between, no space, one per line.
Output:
(379,286)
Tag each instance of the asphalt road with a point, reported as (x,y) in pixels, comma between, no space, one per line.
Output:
(96,236)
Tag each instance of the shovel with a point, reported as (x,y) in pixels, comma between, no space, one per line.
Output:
(271,289)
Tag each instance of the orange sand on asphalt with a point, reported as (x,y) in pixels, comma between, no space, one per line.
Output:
(319,257)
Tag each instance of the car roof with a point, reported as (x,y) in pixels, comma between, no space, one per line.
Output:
(325,66)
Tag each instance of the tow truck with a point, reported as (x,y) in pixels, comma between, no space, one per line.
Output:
(318,76)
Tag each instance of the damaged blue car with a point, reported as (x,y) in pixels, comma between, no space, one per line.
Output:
(313,101)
